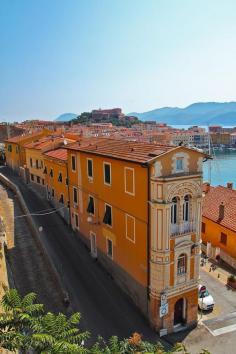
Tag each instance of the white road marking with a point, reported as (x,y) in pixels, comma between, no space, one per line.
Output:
(223,330)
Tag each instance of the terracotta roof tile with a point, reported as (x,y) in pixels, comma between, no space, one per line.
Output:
(211,203)
(120,149)
(19,138)
(59,154)
(47,142)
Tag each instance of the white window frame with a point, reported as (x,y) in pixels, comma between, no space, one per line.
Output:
(73,170)
(126,233)
(75,203)
(108,255)
(104,181)
(91,196)
(90,177)
(76,214)
(131,169)
(111,215)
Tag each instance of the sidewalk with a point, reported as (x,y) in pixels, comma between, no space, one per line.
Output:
(221,273)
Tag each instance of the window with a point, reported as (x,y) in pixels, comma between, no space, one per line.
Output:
(75,195)
(203,227)
(90,168)
(186,208)
(108,215)
(180,164)
(174,211)
(51,173)
(9,148)
(67,181)
(31,162)
(223,238)
(90,208)
(61,200)
(32,177)
(76,221)
(129,181)
(43,181)
(182,264)
(53,193)
(73,163)
(60,177)
(37,164)
(130,227)
(17,149)
(107,173)
(38,179)
(109,248)
(45,170)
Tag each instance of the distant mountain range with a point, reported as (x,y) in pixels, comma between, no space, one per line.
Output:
(202,113)
(66,117)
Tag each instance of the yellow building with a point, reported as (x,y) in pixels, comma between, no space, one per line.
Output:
(56,180)
(15,151)
(35,159)
(137,207)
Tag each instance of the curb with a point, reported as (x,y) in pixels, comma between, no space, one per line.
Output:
(49,264)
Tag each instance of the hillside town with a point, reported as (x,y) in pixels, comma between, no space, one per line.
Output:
(135,198)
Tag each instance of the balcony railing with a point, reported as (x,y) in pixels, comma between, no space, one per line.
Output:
(183,228)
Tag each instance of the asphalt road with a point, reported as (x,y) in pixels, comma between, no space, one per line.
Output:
(105,309)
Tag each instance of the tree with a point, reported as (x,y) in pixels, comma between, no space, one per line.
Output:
(25,326)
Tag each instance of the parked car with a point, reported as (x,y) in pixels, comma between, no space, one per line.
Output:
(205,300)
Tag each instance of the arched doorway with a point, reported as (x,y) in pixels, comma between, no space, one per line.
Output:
(179,312)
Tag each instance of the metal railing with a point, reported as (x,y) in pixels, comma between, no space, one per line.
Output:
(183,228)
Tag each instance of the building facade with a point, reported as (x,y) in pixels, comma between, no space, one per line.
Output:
(138,208)
(56,180)
(219,223)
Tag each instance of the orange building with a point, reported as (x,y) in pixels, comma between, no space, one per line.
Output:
(56,180)
(219,223)
(137,207)
(15,151)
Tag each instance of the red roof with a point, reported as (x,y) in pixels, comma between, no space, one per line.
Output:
(47,142)
(211,204)
(19,138)
(120,149)
(59,154)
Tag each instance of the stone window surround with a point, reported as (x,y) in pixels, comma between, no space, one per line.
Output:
(185,157)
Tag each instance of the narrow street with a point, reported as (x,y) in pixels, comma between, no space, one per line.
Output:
(105,309)
(26,268)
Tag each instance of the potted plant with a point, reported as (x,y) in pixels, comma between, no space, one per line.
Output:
(231,281)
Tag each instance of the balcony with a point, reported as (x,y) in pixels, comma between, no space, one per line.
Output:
(183,228)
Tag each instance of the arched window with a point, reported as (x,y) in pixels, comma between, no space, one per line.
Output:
(186,209)
(174,210)
(182,264)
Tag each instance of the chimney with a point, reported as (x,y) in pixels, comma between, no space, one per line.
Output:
(207,187)
(230,185)
(221,211)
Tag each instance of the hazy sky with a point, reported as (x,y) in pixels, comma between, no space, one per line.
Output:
(61,56)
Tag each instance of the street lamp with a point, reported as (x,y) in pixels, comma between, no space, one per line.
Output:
(90,221)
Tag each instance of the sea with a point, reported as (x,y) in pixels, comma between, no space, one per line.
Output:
(222,168)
